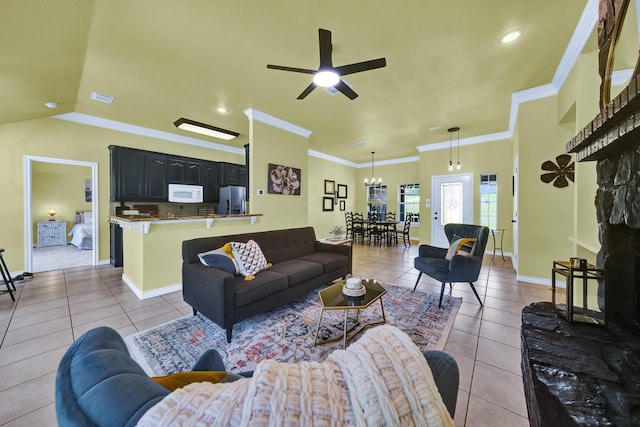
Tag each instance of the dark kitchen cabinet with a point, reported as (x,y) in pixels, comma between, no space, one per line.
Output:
(144,176)
(127,174)
(195,174)
(156,186)
(211,182)
(177,171)
(229,174)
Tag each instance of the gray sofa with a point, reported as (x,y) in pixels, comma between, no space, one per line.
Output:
(300,264)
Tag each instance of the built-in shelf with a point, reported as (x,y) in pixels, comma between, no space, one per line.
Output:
(588,242)
(143,225)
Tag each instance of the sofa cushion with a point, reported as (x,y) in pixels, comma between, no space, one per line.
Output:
(330,261)
(221,258)
(298,270)
(266,283)
(250,258)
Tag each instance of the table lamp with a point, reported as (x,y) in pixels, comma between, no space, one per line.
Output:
(52,212)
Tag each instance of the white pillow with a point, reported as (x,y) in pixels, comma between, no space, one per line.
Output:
(250,258)
(87,218)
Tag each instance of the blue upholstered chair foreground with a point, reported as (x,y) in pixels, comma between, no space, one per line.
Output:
(99,384)
(432,260)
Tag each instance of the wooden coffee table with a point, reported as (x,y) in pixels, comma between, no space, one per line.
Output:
(332,298)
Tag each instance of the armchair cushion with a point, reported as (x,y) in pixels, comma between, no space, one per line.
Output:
(464,246)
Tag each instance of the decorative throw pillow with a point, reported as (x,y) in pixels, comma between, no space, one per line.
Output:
(250,258)
(181,379)
(464,246)
(221,258)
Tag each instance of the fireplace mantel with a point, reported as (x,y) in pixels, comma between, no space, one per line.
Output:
(615,128)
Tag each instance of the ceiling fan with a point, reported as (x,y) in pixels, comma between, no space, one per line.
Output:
(327,75)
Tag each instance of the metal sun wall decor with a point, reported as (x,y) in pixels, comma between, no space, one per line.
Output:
(558,173)
(284,180)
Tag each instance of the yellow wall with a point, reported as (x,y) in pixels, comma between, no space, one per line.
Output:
(545,212)
(54,138)
(487,158)
(61,187)
(319,171)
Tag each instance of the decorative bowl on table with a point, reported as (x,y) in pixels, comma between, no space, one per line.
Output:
(353,287)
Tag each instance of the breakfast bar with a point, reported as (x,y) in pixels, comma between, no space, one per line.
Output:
(151,246)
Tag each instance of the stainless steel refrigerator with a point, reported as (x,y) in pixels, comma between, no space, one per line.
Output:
(232,200)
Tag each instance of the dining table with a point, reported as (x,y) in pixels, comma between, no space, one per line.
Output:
(387,227)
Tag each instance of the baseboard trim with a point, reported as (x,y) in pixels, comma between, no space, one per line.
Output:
(538,281)
(152,293)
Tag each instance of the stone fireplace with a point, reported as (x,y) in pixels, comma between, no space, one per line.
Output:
(582,375)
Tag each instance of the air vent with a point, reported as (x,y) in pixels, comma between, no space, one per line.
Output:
(101,97)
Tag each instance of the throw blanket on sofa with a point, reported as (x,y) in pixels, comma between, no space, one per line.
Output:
(382,379)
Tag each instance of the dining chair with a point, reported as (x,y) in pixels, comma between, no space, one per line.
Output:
(359,227)
(348,219)
(404,230)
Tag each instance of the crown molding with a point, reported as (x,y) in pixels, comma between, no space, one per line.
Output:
(270,120)
(86,119)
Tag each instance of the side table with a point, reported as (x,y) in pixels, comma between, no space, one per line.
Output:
(494,232)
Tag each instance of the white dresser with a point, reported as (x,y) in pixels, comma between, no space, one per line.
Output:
(52,233)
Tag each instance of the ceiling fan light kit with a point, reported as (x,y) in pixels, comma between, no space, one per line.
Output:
(205,129)
(327,75)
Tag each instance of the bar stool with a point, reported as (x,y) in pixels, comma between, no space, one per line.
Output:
(6,276)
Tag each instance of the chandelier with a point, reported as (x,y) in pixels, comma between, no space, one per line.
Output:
(373,182)
(458,165)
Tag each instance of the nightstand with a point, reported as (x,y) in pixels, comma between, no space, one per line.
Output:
(52,233)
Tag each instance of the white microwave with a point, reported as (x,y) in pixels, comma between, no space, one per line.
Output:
(181,193)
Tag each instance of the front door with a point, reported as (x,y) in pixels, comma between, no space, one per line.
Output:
(452,202)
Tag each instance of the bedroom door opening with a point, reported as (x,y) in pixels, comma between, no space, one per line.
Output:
(70,187)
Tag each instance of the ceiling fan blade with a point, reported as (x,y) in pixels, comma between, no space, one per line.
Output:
(548,165)
(346,90)
(307,91)
(561,182)
(548,177)
(563,160)
(361,66)
(295,70)
(325,48)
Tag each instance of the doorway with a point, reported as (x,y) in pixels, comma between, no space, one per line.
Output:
(452,202)
(29,162)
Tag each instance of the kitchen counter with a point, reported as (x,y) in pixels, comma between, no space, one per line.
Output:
(143,223)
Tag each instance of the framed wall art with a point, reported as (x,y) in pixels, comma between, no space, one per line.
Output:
(329,187)
(327,204)
(343,205)
(284,180)
(342,191)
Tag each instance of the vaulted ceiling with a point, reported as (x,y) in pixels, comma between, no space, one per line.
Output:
(162,60)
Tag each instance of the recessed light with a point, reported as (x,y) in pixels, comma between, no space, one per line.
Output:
(510,37)
(435,128)
(222,110)
(359,143)
(51,104)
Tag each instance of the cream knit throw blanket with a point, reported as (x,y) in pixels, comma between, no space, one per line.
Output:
(380,380)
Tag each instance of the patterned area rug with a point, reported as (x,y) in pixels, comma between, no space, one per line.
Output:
(286,333)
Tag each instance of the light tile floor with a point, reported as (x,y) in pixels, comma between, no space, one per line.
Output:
(55,308)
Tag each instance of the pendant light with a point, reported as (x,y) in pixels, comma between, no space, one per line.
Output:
(451,131)
(373,182)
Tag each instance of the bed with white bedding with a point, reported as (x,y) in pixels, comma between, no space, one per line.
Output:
(82,231)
